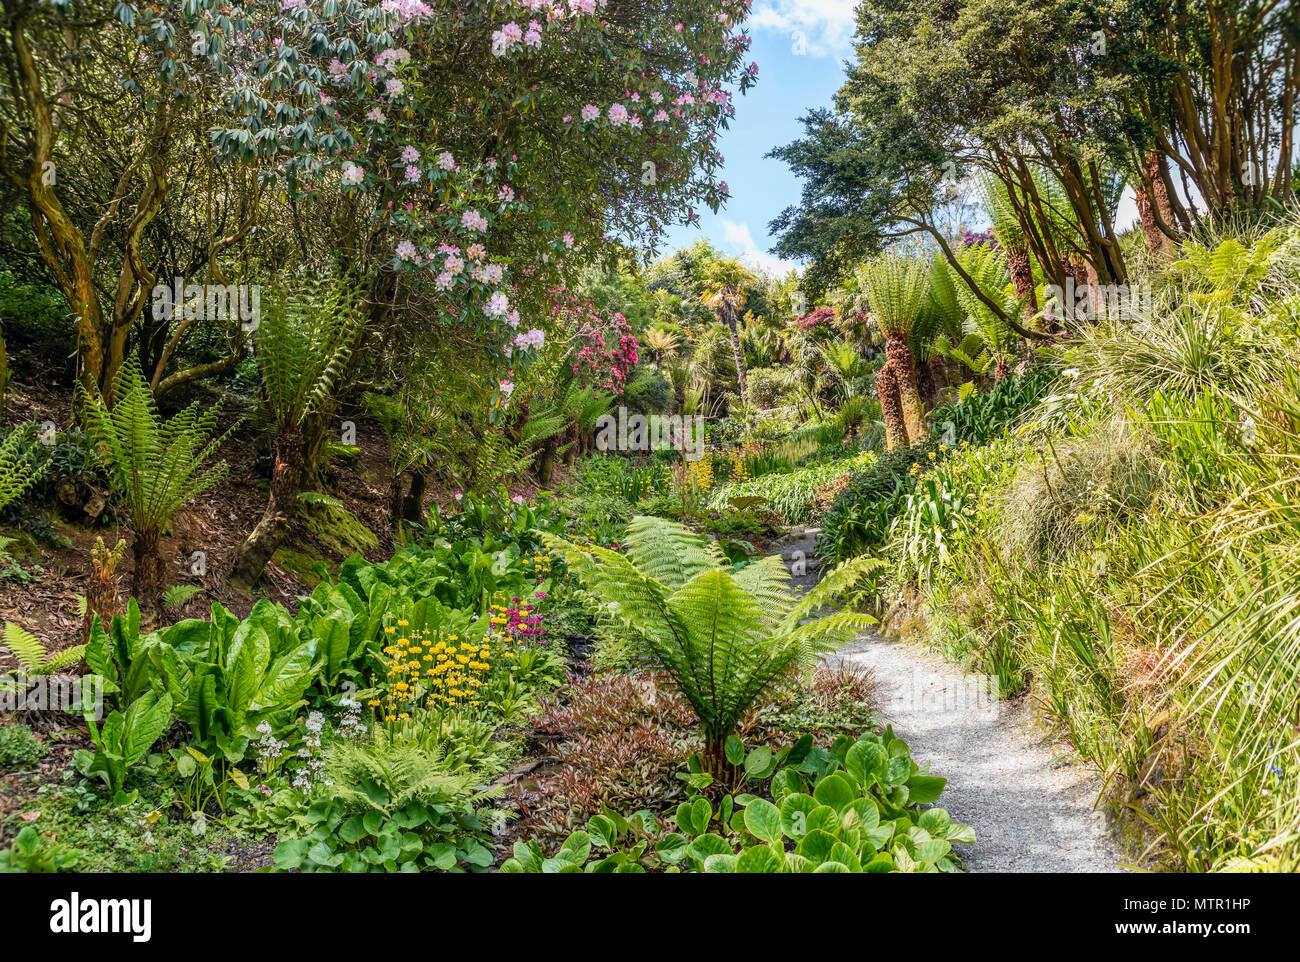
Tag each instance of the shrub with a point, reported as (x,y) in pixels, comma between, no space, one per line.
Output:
(794,496)
(618,739)
(19,747)
(649,392)
(1063,504)
(390,809)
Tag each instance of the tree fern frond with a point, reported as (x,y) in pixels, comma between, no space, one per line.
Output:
(669,552)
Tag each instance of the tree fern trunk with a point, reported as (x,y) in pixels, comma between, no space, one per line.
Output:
(900,359)
(891,409)
(939,372)
(281,507)
(396,500)
(925,383)
(150,576)
(413,505)
(1022,277)
(546,463)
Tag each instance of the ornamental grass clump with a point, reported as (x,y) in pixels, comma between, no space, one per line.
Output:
(724,637)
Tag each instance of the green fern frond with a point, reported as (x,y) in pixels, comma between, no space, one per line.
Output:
(177,595)
(25,646)
(18,469)
(153,466)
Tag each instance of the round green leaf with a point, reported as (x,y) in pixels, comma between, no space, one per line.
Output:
(763,819)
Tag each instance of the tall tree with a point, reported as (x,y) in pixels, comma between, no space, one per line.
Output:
(725,291)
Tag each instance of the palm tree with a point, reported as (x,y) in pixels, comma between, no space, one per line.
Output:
(895,287)
(724,291)
(661,343)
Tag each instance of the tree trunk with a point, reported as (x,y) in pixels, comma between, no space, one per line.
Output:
(150,576)
(546,464)
(4,373)
(1154,207)
(396,500)
(890,408)
(925,383)
(939,372)
(413,505)
(281,507)
(1022,276)
(738,354)
(900,359)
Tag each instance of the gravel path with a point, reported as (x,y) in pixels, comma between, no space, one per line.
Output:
(1032,809)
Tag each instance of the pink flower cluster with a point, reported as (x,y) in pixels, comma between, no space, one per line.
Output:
(606,350)
(525,622)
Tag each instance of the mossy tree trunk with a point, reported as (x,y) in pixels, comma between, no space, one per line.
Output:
(281,508)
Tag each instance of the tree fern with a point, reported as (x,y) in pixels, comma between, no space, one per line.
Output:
(302,345)
(154,466)
(724,637)
(987,267)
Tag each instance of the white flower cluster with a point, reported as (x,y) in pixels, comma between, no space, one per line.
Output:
(310,772)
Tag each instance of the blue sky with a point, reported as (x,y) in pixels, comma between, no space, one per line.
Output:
(800,47)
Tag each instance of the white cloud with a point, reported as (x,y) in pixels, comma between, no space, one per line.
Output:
(817,28)
(747,252)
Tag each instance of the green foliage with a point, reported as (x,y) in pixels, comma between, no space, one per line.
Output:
(31,852)
(124,739)
(390,809)
(725,638)
(793,496)
(856,808)
(895,287)
(19,747)
(153,466)
(303,341)
(18,471)
(32,654)
(1078,492)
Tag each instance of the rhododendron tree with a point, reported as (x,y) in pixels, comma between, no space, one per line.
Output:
(460,156)
(603,349)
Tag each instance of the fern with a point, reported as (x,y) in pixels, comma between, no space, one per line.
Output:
(384,776)
(895,287)
(303,343)
(317,498)
(987,267)
(177,595)
(153,466)
(724,638)
(18,472)
(31,653)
